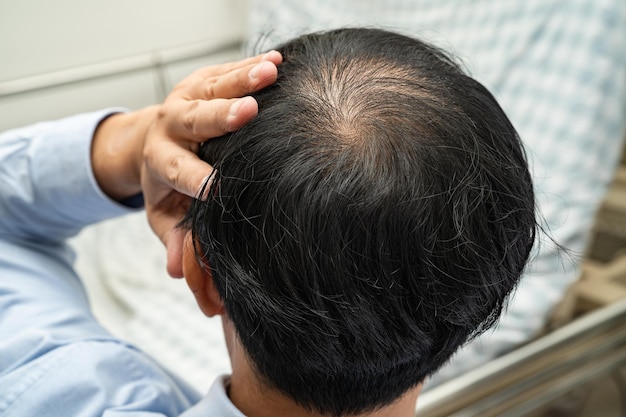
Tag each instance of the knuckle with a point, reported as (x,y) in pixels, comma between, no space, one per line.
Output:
(160,120)
(148,153)
(172,170)
(189,119)
(210,89)
(161,113)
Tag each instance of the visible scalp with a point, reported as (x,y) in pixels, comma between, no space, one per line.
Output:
(371,219)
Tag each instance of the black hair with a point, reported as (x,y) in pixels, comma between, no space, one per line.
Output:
(371,219)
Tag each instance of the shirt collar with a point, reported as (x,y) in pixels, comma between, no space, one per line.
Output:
(215,403)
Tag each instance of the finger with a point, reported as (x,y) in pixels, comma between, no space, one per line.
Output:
(217,70)
(233,84)
(246,80)
(165,214)
(240,113)
(200,120)
(178,169)
(205,73)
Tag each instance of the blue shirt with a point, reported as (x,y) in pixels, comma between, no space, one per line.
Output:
(55,358)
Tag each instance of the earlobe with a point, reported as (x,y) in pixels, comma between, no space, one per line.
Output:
(200,281)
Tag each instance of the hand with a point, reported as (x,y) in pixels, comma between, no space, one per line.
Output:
(154,150)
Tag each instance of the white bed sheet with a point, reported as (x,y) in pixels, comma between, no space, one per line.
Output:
(123,266)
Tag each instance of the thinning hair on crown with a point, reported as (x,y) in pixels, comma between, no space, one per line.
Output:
(368,222)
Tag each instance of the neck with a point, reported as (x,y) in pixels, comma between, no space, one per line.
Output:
(254,400)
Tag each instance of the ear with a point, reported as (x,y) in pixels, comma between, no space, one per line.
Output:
(200,281)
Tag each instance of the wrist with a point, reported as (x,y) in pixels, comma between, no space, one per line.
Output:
(116,152)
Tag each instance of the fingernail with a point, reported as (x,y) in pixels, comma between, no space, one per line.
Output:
(254,72)
(235,107)
(268,55)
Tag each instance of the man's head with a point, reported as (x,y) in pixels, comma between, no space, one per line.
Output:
(371,219)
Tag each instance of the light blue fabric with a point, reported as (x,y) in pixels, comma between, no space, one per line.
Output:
(55,359)
(558,68)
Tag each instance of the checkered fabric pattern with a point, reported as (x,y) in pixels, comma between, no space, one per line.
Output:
(558,68)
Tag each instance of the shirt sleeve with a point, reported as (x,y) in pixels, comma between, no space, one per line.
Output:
(49,192)
(55,358)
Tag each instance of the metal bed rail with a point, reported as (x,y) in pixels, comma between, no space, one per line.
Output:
(147,61)
(537,373)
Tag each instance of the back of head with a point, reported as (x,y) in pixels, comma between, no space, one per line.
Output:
(371,219)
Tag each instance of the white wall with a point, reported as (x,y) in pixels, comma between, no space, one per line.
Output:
(46,42)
